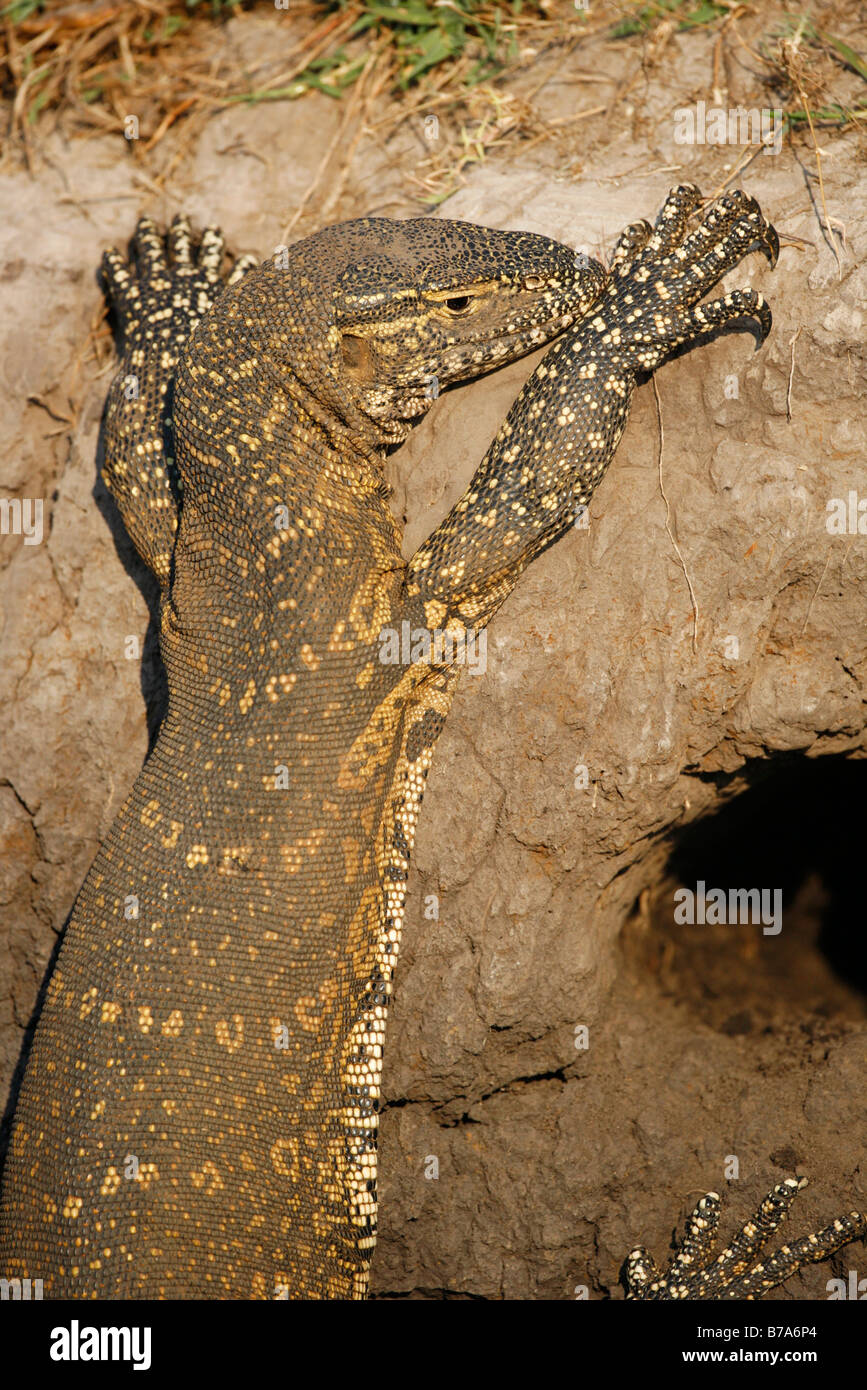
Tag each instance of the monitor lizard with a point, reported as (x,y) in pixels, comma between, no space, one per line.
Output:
(198,1117)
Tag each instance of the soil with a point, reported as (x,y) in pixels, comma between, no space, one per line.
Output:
(725,748)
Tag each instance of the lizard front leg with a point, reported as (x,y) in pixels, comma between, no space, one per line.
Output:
(562,431)
(169,285)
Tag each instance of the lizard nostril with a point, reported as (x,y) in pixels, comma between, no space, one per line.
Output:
(533,282)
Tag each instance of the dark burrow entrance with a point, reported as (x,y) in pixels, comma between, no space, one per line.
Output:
(798,828)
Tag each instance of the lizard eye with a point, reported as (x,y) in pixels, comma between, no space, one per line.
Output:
(454,301)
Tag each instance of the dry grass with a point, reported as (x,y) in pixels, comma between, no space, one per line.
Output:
(162,60)
(147,66)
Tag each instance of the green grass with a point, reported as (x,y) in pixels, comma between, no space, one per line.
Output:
(688,15)
(20,10)
(827,115)
(425,35)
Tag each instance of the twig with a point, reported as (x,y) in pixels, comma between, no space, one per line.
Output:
(313,46)
(385,75)
(339,134)
(668,520)
(793,65)
(168,120)
(816,593)
(792,342)
(744,162)
(818,154)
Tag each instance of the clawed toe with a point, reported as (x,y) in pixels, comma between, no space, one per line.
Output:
(122,289)
(211,251)
(738,304)
(731,228)
(673,217)
(149,251)
(241,267)
(631,240)
(180,241)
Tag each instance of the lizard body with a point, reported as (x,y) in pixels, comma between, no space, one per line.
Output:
(198,1117)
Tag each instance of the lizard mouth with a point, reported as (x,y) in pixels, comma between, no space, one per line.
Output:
(497,347)
(396,408)
(396,411)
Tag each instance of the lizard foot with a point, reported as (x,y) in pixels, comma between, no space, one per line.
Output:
(738,1272)
(168,285)
(660,274)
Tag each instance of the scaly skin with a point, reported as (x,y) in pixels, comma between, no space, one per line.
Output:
(198,1117)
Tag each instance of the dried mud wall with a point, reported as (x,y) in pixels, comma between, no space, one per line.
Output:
(595,767)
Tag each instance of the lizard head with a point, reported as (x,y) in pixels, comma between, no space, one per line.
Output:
(439,302)
(391,312)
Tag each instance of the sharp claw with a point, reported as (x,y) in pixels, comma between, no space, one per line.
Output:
(771,246)
(763,313)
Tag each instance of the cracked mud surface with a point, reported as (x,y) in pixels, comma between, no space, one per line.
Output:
(737,764)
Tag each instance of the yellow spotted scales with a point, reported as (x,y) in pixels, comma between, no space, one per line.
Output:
(198,1117)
